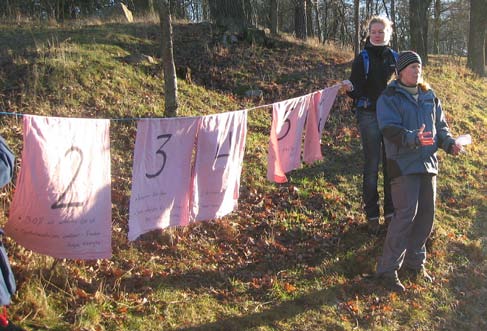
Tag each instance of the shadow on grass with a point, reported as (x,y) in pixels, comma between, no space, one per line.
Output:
(279,312)
(468,281)
(345,256)
(331,296)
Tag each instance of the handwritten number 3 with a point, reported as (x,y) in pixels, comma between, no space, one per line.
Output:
(167,137)
(59,203)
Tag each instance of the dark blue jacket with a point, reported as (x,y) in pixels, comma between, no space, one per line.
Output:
(400,116)
(382,66)
(7,163)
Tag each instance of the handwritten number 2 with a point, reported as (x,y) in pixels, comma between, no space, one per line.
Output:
(61,203)
(166,138)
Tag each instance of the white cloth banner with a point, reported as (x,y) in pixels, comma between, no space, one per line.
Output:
(62,201)
(321,103)
(161,177)
(284,155)
(218,166)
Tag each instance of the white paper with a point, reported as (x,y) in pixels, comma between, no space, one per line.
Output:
(464,139)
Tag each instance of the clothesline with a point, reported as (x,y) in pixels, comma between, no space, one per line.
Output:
(142,118)
(62,200)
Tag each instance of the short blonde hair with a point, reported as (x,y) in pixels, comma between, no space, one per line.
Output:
(385,22)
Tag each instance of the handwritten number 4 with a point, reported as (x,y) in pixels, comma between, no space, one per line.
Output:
(165,138)
(218,147)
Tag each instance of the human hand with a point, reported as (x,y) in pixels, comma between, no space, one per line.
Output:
(460,141)
(347,85)
(425,138)
(457,148)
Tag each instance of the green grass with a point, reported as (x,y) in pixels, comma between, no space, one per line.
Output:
(292,256)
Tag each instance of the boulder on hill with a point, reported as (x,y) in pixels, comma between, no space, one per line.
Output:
(138,58)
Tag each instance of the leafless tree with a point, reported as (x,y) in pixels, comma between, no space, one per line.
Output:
(300,25)
(418,27)
(274,16)
(356,23)
(234,15)
(170,79)
(476,40)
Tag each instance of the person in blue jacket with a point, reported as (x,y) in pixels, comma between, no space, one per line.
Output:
(7,279)
(413,124)
(372,68)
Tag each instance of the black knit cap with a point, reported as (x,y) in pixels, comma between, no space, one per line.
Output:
(406,58)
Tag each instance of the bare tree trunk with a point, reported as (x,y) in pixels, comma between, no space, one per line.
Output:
(476,37)
(318,25)
(326,25)
(436,27)
(274,17)
(249,13)
(345,37)
(418,27)
(368,8)
(205,6)
(300,19)
(309,18)
(393,19)
(170,79)
(177,9)
(231,14)
(356,23)
(142,6)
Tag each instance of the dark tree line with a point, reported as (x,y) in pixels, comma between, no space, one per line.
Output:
(427,26)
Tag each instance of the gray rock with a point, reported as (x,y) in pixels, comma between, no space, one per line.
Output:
(139,59)
(254,93)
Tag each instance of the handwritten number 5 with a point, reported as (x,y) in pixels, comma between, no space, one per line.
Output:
(59,203)
(166,138)
(288,122)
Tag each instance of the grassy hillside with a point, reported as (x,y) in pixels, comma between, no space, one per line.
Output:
(293,256)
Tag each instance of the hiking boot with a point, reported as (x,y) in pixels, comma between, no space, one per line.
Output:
(421,273)
(391,282)
(373,226)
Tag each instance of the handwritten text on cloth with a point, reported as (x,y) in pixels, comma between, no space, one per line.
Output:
(62,202)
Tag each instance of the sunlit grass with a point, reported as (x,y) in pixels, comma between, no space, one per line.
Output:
(292,256)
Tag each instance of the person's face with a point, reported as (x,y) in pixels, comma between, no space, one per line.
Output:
(411,75)
(377,33)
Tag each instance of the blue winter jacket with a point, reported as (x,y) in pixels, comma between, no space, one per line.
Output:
(400,116)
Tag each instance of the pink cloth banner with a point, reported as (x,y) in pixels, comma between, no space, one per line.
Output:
(218,166)
(288,118)
(161,178)
(62,202)
(321,103)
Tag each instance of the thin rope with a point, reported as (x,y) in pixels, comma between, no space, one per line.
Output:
(127,119)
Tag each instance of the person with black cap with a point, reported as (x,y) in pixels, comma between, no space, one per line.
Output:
(413,124)
(372,68)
